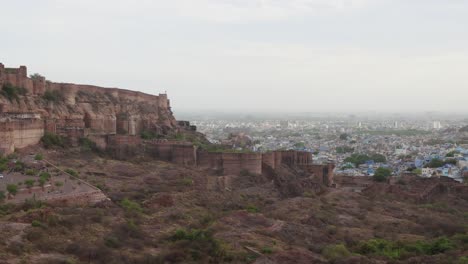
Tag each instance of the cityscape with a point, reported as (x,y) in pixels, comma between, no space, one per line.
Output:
(429,148)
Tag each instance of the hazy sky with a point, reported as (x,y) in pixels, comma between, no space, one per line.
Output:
(292,55)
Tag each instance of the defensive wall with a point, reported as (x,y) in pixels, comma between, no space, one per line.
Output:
(232,163)
(19,130)
(84,111)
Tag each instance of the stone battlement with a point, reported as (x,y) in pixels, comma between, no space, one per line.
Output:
(76,110)
(231,163)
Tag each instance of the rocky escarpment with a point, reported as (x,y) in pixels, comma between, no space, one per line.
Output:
(32,106)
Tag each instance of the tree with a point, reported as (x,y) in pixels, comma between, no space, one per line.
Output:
(36,76)
(344,136)
(435,163)
(357,159)
(378,158)
(381,174)
(299,145)
(12,189)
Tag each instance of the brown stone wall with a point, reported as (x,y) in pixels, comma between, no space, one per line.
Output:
(210,160)
(184,154)
(230,163)
(19,132)
(100,140)
(118,140)
(173,151)
(94,109)
(269,159)
(322,173)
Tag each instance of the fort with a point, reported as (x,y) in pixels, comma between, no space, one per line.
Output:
(114,119)
(34,106)
(232,163)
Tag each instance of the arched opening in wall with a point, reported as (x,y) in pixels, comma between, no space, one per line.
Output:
(325,175)
(87,120)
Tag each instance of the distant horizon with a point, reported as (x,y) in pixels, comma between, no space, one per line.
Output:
(261,55)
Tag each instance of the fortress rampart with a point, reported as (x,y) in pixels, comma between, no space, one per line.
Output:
(229,163)
(75,111)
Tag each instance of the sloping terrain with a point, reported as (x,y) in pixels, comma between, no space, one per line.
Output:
(165,213)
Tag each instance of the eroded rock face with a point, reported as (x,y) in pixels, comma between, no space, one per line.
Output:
(29,107)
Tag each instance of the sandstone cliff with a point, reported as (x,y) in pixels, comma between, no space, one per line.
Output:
(31,106)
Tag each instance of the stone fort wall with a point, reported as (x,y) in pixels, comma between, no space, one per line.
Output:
(86,111)
(185,153)
(19,131)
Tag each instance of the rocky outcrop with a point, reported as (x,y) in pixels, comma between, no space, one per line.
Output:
(31,106)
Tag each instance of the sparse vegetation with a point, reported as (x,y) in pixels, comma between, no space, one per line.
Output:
(29,183)
(398,250)
(359,159)
(12,92)
(53,96)
(336,252)
(51,139)
(12,189)
(131,206)
(381,174)
(72,172)
(88,145)
(149,134)
(39,156)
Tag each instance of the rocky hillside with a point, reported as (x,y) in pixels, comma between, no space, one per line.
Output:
(75,101)
(165,213)
(32,106)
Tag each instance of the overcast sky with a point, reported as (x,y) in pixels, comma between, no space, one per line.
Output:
(266,55)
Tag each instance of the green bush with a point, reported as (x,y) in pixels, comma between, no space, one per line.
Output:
(19,166)
(381,174)
(252,208)
(397,250)
(336,252)
(36,223)
(12,189)
(267,250)
(44,175)
(12,92)
(39,157)
(435,163)
(72,172)
(51,139)
(200,245)
(87,145)
(131,206)
(42,181)
(186,182)
(3,167)
(30,172)
(53,96)
(149,134)
(29,183)
(2,196)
